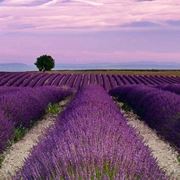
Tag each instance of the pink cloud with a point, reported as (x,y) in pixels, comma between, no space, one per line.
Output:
(96,14)
(119,56)
(37,27)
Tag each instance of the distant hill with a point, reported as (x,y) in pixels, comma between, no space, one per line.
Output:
(128,65)
(15,67)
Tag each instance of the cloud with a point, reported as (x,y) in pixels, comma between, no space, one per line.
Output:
(56,15)
(121,56)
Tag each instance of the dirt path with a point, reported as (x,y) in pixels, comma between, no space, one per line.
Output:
(161,150)
(14,157)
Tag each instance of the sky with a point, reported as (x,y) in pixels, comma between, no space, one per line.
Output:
(90,31)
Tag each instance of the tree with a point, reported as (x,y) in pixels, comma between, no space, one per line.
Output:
(45,63)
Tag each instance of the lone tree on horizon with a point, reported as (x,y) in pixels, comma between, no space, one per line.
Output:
(45,63)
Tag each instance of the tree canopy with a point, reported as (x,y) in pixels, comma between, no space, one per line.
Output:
(45,63)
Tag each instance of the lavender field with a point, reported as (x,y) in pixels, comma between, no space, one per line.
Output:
(91,137)
(75,80)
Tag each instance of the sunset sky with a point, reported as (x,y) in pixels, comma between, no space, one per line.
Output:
(89,31)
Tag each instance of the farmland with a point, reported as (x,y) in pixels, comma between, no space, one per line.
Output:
(78,80)
(92,137)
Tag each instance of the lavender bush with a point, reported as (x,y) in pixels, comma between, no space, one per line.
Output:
(159,109)
(19,107)
(5,90)
(175,88)
(28,104)
(91,140)
(6,131)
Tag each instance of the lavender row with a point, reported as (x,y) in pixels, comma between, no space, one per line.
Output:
(6,131)
(108,81)
(159,109)
(20,107)
(91,140)
(175,88)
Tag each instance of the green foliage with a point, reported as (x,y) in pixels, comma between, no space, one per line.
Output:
(1,159)
(98,174)
(53,109)
(126,107)
(137,177)
(178,158)
(19,134)
(107,170)
(45,63)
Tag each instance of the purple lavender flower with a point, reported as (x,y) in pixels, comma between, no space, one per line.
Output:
(175,88)
(159,109)
(91,140)
(6,131)
(22,106)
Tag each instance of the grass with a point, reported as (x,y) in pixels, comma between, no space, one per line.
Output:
(53,109)
(178,158)
(126,107)
(122,105)
(107,170)
(19,133)
(1,159)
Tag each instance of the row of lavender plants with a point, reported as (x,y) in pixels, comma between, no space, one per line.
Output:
(91,140)
(20,107)
(175,88)
(108,81)
(158,108)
